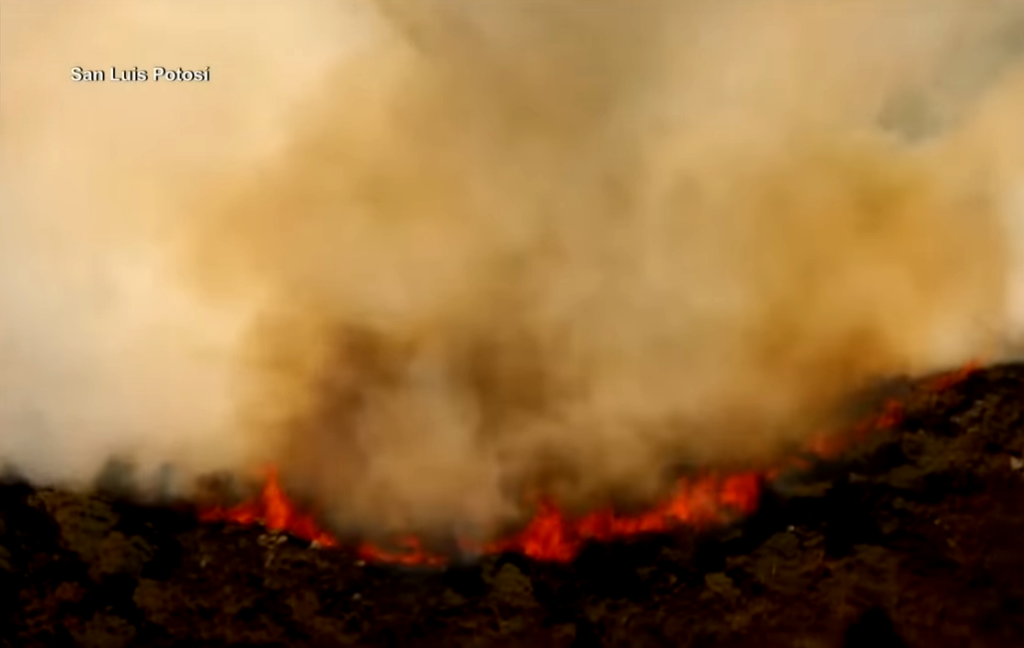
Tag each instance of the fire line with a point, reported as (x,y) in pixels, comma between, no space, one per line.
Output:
(551,535)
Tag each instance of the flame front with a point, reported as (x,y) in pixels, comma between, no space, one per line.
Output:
(551,535)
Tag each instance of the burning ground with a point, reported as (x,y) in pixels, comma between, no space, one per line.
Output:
(909,537)
(456,275)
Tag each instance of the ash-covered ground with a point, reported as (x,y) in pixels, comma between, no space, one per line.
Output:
(913,538)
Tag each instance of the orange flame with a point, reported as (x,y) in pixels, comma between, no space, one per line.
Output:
(274,511)
(551,535)
(413,554)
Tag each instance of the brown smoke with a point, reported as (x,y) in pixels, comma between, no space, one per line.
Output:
(428,256)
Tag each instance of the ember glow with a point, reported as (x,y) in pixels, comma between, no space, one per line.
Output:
(826,446)
(553,535)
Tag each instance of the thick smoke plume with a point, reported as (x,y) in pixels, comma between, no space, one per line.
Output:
(428,257)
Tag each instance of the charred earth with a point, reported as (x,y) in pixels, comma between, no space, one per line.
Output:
(912,537)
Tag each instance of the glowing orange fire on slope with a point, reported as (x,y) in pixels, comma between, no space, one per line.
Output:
(550,534)
(554,536)
(273,510)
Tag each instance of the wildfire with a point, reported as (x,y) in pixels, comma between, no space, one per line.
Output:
(275,511)
(551,535)
(554,536)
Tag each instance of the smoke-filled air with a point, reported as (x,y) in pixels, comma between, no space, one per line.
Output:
(430,257)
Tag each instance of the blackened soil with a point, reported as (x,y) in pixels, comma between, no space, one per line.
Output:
(915,538)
